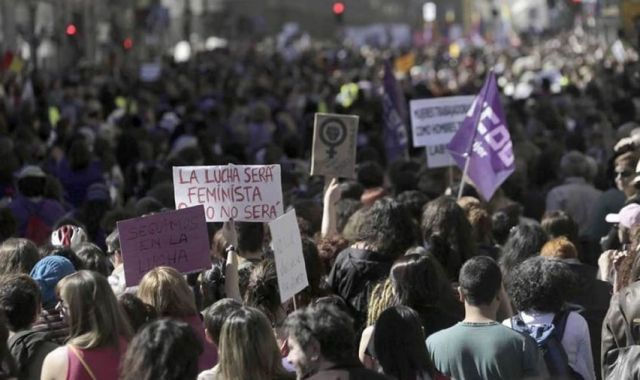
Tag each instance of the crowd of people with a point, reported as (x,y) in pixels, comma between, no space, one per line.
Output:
(406,281)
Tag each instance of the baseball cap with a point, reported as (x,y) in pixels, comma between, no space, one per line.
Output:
(30,171)
(628,216)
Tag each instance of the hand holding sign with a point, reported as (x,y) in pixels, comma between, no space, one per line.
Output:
(334,145)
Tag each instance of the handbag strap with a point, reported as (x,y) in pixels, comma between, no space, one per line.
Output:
(79,355)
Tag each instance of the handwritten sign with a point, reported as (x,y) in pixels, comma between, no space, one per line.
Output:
(435,121)
(287,248)
(178,239)
(334,145)
(249,193)
(438,156)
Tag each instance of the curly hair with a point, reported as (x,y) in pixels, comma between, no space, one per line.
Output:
(382,297)
(524,241)
(540,284)
(164,349)
(447,232)
(388,228)
(262,291)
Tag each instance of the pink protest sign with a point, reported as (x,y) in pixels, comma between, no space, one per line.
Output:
(178,239)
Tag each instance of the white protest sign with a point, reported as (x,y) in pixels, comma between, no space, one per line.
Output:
(438,156)
(246,193)
(287,250)
(436,121)
(334,145)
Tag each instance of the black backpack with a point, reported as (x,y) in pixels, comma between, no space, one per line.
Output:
(549,340)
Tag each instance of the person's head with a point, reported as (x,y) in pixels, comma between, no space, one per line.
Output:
(382,297)
(574,164)
(263,293)
(480,221)
(113,247)
(31,181)
(559,248)
(370,174)
(403,176)
(480,281)
(89,306)
(559,223)
(328,249)
(398,344)
(413,201)
(212,284)
(17,256)
(317,335)
(540,284)
(137,312)
(47,273)
(627,218)
(216,315)
(447,232)
(250,236)
(418,280)
(164,349)
(502,221)
(344,209)
(92,258)
(388,228)
(624,171)
(19,300)
(524,241)
(248,348)
(168,292)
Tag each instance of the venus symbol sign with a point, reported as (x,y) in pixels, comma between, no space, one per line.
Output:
(334,145)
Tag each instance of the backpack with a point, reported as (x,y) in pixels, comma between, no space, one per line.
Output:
(37,230)
(549,341)
(625,359)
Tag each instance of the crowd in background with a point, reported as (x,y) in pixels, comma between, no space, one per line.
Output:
(405,280)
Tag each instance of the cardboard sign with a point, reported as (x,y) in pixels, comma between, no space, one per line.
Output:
(287,249)
(178,239)
(438,156)
(246,193)
(334,145)
(435,121)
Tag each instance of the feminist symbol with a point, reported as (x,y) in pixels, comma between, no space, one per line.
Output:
(333,132)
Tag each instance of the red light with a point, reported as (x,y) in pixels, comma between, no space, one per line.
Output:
(338,8)
(127,43)
(71,30)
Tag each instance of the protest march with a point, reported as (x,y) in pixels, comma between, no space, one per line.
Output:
(320,210)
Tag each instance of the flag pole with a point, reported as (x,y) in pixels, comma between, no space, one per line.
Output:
(467,159)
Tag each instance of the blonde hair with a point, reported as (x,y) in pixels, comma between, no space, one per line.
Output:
(559,248)
(248,347)
(167,291)
(95,317)
(382,297)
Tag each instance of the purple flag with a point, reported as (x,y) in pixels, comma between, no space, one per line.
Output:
(394,114)
(483,139)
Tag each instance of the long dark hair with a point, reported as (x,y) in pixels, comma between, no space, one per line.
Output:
(418,280)
(399,345)
(447,233)
(524,241)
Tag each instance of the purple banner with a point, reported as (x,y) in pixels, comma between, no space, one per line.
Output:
(483,139)
(177,239)
(394,114)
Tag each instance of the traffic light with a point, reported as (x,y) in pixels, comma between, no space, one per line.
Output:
(127,43)
(71,30)
(338,9)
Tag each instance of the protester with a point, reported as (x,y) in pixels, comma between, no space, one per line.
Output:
(216,315)
(8,369)
(47,273)
(386,233)
(163,349)
(20,302)
(168,293)
(398,345)
(539,288)
(137,312)
(479,346)
(322,345)
(524,241)
(248,349)
(98,330)
(93,258)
